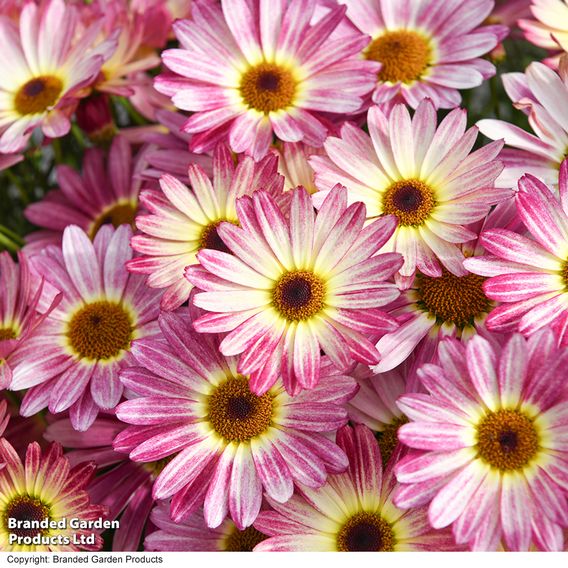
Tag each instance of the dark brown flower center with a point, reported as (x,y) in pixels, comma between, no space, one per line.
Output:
(298,295)
(118,214)
(405,55)
(268,87)
(507,440)
(210,238)
(38,95)
(244,541)
(100,330)
(7,333)
(236,413)
(453,299)
(28,509)
(388,438)
(365,532)
(411,201)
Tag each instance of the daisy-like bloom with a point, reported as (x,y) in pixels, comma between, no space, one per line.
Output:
(123,486)
(293,164)
(193,535)
(20,313)
(431,309)
(543,95)
(427,48)
(529,276)
(225,445)
(73,359)
(423,175)
(296,287)
(253,69)
(182,221)
(489,443)
(44,487)
(436,307)
(132,53)
(549,28)
(106,193)
(42,72)
(375,406)
(352,512)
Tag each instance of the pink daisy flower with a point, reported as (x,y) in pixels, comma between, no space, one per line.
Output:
(489,443)
(45,486)
(133,54)
(253,69)
(107,192)
(42,71)
(422,174)
(543,95)
(352,512)
(428,311)
(73,360)
(427,48)
(122,486)
(529,276)
(193,535)
(226,444)
(433,308)
(20,311)
(292,288)
(183,221)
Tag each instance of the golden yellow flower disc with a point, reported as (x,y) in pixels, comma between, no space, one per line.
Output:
(267,87)
(100,330)
(7,333)
(411,201)
(453,299)
(38,95)
(298,295)
(236,413)
(404,54)
(507,440)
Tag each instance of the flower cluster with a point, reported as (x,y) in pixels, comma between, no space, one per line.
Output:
(263,286)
